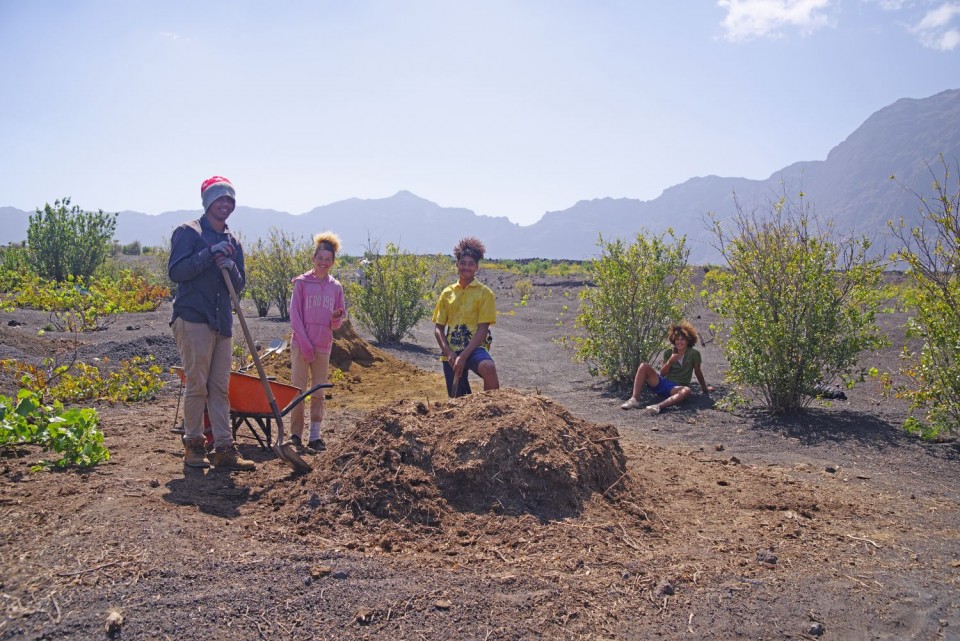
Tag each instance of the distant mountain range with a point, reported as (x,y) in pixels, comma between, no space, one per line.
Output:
(852,187)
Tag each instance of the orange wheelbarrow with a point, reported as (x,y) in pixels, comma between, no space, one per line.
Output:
(249,405)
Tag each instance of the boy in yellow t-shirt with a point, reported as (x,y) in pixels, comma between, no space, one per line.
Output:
(462,319)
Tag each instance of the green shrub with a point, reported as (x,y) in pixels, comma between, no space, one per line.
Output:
(932,254)
(132,249)
(66,242)
(523,288)
(73,432)
(271,265)
(799,305)
(76,305)
(136,379)
(637,291)
(394,294)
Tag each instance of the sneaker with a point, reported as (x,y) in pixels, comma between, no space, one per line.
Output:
(317,445)
(295,440)
(194,455)
(632,404)
(652,410)
(230,459)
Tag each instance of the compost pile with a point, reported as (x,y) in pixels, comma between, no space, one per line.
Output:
(413,474)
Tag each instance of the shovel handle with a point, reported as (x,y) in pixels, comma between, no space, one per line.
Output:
(256,357)
(455,387)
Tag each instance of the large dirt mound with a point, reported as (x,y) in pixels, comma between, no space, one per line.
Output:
(503,453)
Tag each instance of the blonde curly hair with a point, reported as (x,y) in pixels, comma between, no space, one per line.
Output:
(326,240)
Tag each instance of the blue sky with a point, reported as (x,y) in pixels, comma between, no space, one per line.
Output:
(508,108)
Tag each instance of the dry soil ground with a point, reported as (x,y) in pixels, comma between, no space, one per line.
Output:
(542,511)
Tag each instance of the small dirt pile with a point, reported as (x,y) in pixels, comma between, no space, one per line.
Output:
(368,377)
(348,348)
(503,453)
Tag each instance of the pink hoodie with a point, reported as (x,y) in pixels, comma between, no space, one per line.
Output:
(312,305)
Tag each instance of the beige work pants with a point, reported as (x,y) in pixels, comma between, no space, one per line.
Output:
(206,356)
(299,369)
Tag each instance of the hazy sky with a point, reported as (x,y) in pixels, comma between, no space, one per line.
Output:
(506,107)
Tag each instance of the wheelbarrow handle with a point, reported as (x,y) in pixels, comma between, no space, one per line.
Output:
(298,399)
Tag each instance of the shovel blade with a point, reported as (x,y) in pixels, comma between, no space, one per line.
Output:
(288,455)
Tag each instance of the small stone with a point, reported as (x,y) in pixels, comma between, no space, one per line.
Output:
(831,469)
(766,556)
(340,574)
(320,571)
(664,588)
(132,328)
(442,604)
(719,447)
(363,616)
(154,483)
(14,323)
(733,460)
(114,623)
(816,629)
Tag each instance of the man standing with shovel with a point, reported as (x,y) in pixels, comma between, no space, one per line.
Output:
(462,319)
(203,323)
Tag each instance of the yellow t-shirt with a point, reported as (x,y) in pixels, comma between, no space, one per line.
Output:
(462,309)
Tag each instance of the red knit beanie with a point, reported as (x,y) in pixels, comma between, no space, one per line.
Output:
(214,187)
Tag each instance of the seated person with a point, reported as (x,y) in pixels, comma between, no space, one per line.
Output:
(679,365)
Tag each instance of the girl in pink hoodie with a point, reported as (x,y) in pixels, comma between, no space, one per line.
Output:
(316,309)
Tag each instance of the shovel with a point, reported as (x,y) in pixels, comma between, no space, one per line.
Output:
(286,453)
(276,345)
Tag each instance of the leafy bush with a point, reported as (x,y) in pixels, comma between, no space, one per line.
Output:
(523,288)
(73,433)
(78,306)
(799,305)
(132,249)
(271,265)
(15,258)
(66,242)
(136,379)
(393,298)
(932,253)
(637,291)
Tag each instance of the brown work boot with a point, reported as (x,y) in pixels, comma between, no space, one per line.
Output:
(194,454)
(228,458)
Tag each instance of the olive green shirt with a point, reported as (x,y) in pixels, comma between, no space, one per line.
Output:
(681,372)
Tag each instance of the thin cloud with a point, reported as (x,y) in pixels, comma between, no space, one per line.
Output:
(169,35)
(939,28)
(748,19)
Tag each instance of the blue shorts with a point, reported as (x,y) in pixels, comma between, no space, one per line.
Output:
(664,387)
(473,364)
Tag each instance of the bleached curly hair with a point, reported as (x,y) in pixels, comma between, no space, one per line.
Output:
(326,240)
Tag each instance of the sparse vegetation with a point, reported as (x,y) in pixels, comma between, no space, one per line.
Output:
(394,293)
(74,433)
(798,305)
(637,290)
(271,265)
(65,242)
(932,253)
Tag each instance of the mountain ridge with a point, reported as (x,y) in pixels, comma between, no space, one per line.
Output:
(851,187)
